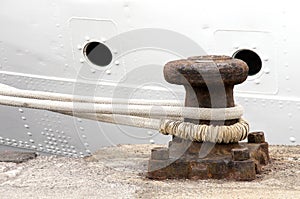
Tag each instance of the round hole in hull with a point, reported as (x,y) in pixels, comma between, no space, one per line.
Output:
(251,58)
(98,53)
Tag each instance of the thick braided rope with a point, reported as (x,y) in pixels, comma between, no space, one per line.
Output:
(144,108)
(148,111)
(139,114)
(6,90)
(205,133)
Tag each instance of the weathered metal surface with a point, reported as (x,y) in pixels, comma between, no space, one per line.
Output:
(257,137)
(240,154)
(209,82)
(236,161)
(191,71)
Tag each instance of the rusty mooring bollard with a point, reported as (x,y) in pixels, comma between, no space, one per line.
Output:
(209,82)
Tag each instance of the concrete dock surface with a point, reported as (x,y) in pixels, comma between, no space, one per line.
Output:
(119,172)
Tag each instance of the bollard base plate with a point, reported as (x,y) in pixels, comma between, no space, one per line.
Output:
(190,160)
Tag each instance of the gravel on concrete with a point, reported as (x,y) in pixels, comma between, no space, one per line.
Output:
(118,172)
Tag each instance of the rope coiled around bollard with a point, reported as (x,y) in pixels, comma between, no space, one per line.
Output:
(205,133)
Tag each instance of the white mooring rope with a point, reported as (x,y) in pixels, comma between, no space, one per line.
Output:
(122,109)
(14,92)
(139,113)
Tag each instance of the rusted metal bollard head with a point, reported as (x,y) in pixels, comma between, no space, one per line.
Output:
(208,80)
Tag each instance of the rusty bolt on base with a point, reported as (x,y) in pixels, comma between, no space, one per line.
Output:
(256,137)
(240,154)
(209,82)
